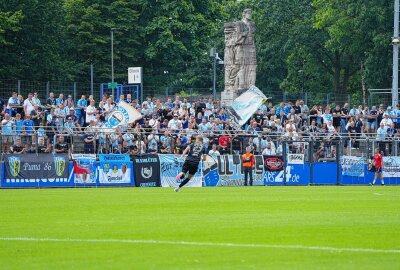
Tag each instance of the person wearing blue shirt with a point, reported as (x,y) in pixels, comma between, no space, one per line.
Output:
(60,100)
(222,115)
(327,116)
(279,108)
(28,128)
(82,104)
(287,108)
(18,124)
(398,117)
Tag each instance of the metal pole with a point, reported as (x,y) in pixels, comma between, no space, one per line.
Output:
(141,85)
(19,87)
(91,79)
(112,59)
(395,84)
(74,91)
(47,89)
(214,77)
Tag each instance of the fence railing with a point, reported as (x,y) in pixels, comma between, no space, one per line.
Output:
(76,89)
(141,141)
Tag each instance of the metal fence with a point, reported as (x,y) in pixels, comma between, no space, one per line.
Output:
(141,141)
(76,89)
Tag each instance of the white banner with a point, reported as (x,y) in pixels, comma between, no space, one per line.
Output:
(135,75)
(295,159)
(247,104)
(170,166)
(391,167)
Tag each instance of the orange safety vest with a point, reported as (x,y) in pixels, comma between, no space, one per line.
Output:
(248,160)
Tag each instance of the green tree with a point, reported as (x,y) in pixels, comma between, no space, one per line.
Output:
(32,36)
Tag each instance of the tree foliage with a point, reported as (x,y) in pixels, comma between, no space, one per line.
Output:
(302,45)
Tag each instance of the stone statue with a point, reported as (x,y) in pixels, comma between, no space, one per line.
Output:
(240,54)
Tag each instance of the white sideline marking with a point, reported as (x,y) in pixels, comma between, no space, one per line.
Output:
(378,194)
(166,242)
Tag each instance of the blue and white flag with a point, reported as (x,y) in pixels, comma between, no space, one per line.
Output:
(244,106)
(122,114)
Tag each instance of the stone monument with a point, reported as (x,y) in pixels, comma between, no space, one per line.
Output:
(239,57)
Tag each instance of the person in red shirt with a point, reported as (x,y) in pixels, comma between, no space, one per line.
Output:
(378,163)
(248,166)
(224,143)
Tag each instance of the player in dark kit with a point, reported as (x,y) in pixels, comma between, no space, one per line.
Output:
(196,151)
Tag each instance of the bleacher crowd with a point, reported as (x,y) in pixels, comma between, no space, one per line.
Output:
(58,124)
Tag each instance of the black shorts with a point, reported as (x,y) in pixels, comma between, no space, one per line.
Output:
(190,167)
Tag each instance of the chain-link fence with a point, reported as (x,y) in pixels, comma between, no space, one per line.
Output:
(76,89)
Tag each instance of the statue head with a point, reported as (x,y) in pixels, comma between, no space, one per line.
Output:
(247,14)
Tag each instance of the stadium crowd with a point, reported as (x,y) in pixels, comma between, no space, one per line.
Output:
(34,126)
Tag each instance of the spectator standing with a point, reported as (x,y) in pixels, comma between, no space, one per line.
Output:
(36,100)
(60,100)
(91,112)
(12,105)
(372,118)
(387,122)
(344,116)
(7,132)
(381,112)
(381,136)
(28,128)
(28,104)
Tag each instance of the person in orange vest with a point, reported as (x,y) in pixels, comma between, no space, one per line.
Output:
(248,165)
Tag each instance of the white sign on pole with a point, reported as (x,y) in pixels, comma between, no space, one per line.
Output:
(135,75)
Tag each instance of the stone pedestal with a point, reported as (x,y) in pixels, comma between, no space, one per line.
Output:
(228,97)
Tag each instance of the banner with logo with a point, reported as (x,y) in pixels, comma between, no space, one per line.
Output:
(295,159)
(171,165)
(352,166)
(122,114)
(147,170)
(30,170)
(85,168)
(273,163)
(295,174)
(227,170)
(115,169)
(391,167)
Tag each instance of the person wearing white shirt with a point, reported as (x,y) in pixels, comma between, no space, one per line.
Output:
(387,122)
(269,150)
(214,152)
(108,107)
(174,122)
(28,104)
(153,121)
(290,126)
(91,112)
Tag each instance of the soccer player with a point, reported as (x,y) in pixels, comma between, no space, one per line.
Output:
(378,163)
(196,151)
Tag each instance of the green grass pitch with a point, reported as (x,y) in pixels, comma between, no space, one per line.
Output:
(201,228)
